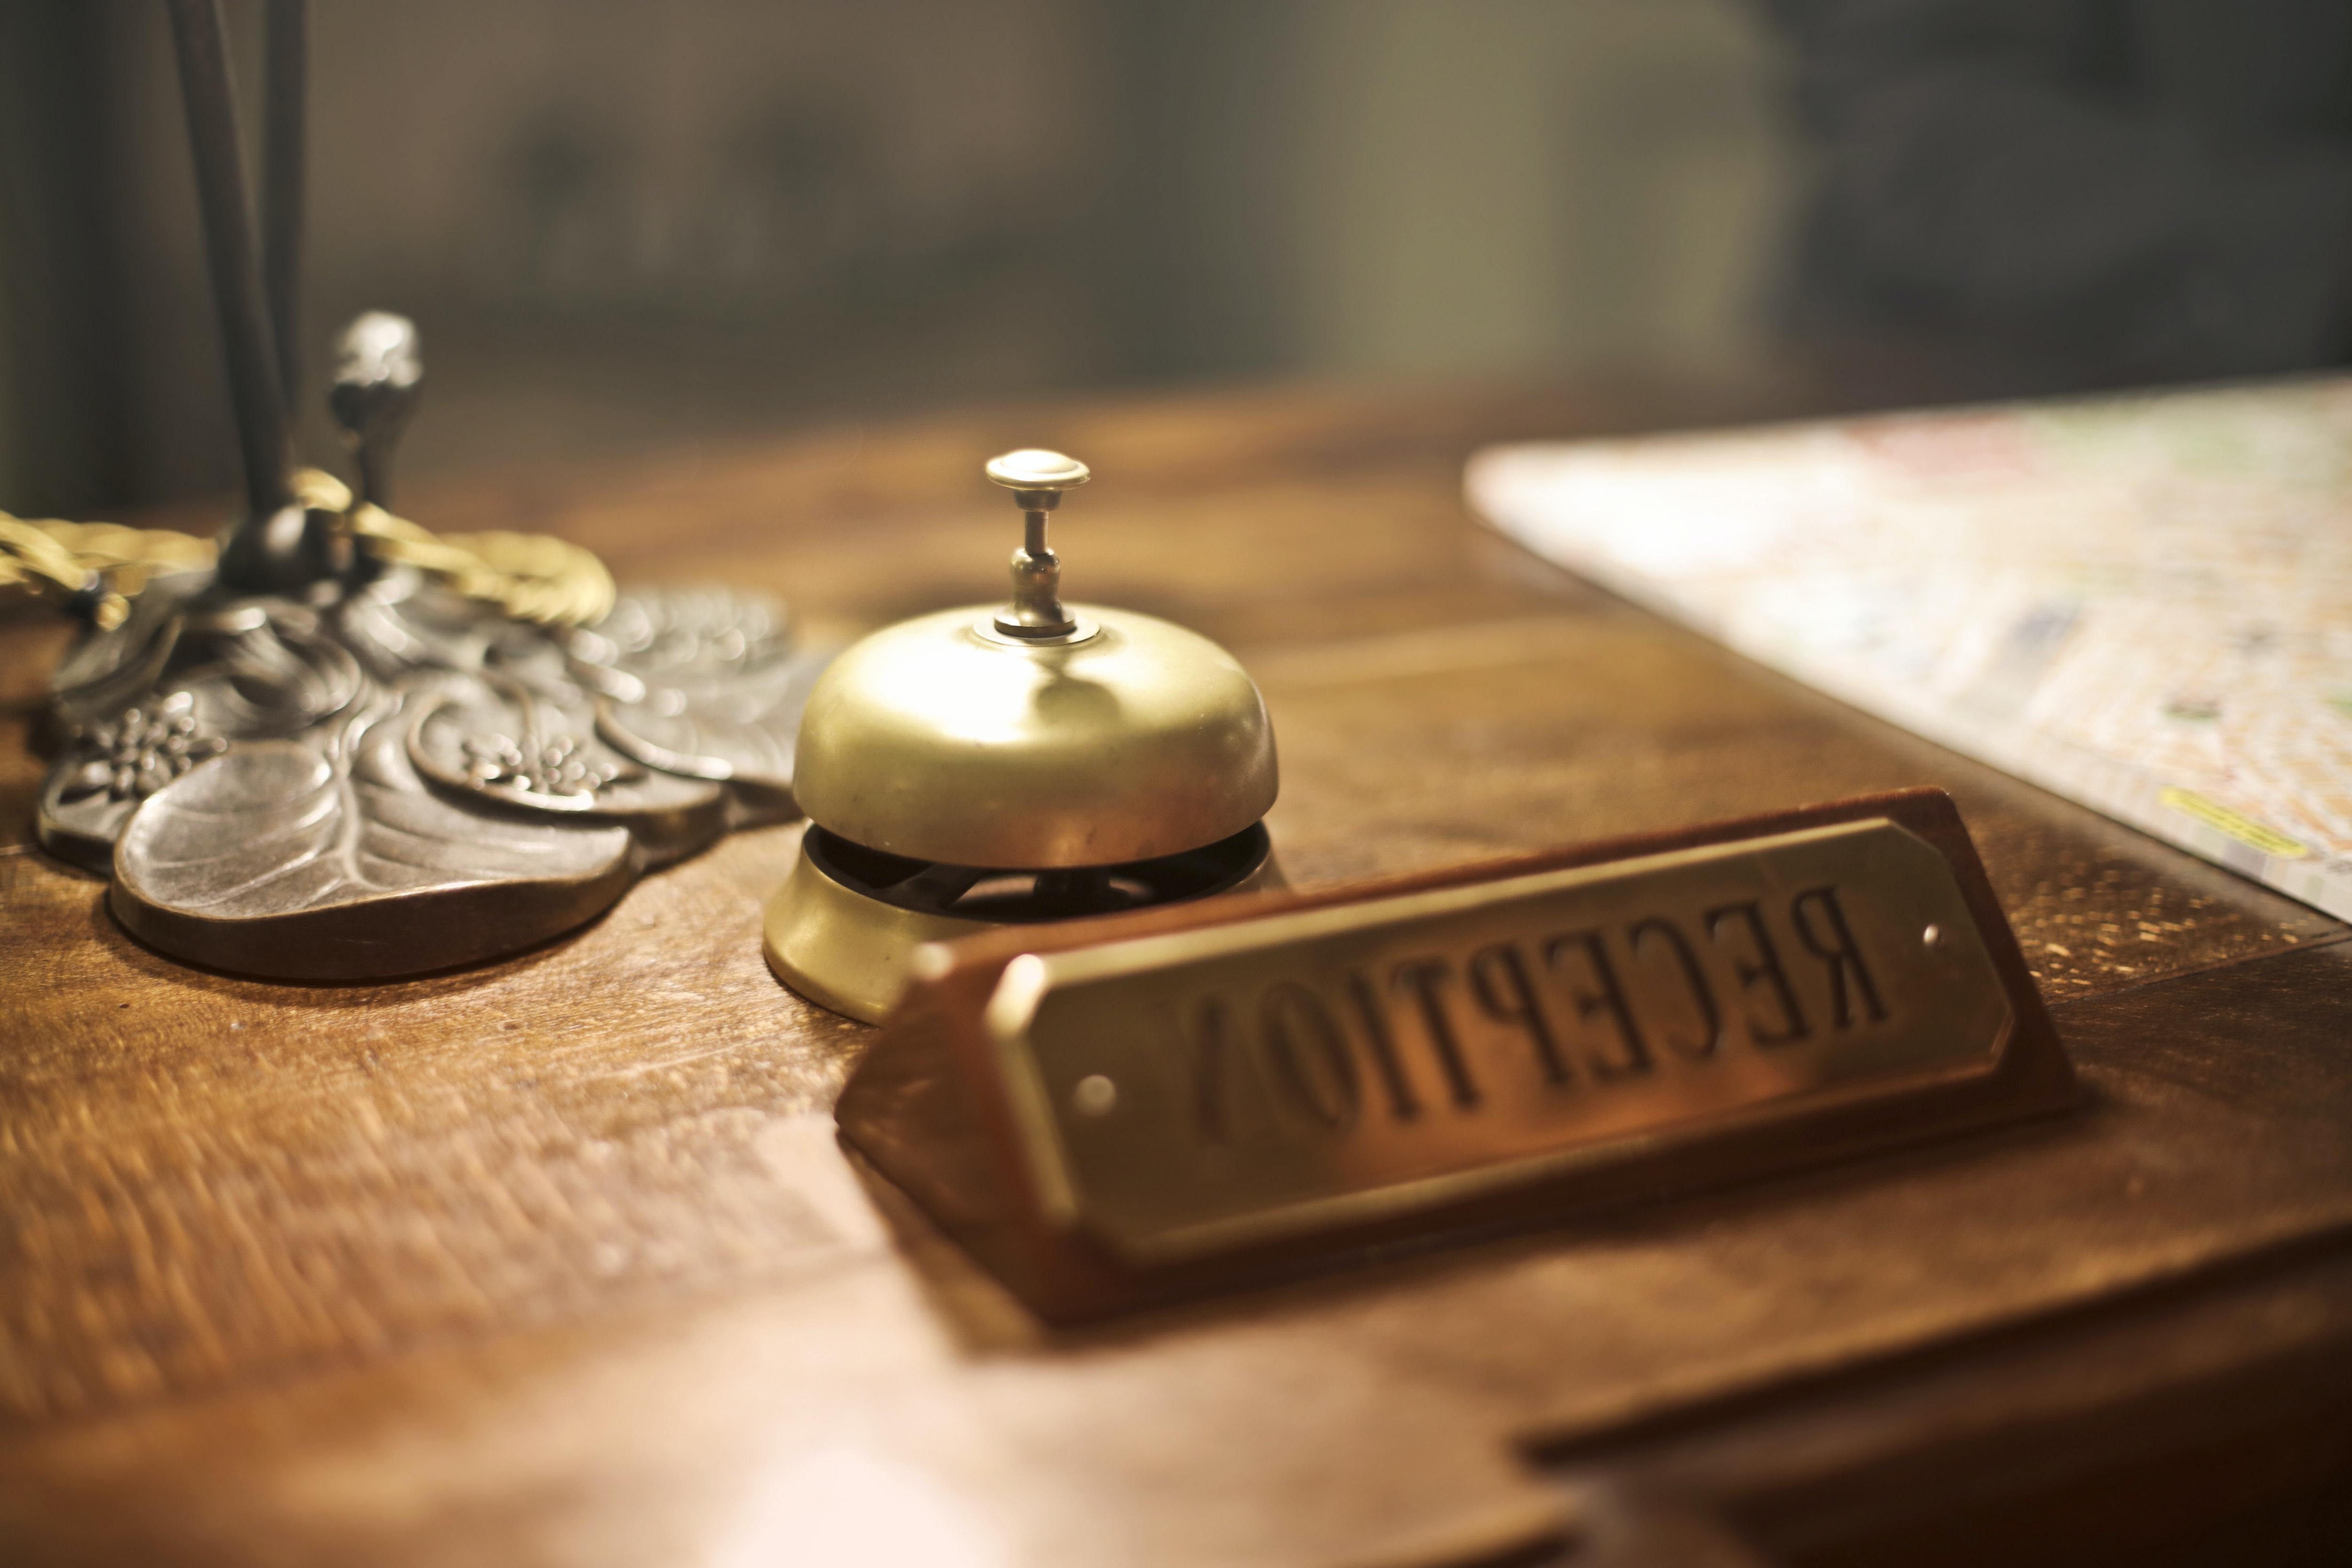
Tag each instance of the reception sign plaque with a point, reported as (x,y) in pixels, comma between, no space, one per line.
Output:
(1113,1111)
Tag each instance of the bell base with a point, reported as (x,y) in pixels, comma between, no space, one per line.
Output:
(843,948)
(850,947)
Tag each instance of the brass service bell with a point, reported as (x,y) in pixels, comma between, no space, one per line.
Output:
(1005,764)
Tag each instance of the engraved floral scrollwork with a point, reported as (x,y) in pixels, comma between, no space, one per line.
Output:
(558,767)
(141,750)
(702,682)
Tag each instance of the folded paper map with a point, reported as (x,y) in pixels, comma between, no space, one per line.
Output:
(2142,602)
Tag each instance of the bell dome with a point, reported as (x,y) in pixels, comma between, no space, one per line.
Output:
(951,737)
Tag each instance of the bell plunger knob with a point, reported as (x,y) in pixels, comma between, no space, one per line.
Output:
(1036,480)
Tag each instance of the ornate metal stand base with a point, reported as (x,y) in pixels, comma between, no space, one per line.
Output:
(399,779)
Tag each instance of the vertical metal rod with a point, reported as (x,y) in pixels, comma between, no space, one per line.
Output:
(203,47)
(285,152)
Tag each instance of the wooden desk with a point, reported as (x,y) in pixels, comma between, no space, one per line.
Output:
(557,1261)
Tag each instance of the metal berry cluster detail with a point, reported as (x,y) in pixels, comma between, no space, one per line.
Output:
(143,749)
(557,768)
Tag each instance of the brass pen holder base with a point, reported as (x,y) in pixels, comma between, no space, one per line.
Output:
(843,927)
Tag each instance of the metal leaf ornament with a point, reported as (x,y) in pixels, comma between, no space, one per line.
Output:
(442,750)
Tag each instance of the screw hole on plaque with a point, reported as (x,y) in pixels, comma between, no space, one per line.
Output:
(1095,1095)
(1932,938)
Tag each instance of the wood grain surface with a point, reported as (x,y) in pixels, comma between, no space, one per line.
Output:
(556,1260)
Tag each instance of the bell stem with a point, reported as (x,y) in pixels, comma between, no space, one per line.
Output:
(1036,610)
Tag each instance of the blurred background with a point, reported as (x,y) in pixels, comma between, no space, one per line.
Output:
(620,223)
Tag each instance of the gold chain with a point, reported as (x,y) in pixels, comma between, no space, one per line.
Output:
(95,567)
(101,567)
(532,576)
